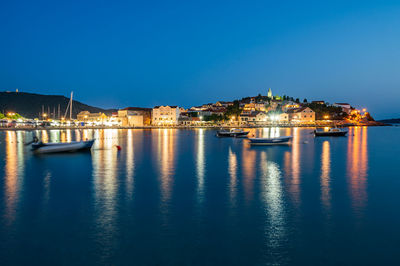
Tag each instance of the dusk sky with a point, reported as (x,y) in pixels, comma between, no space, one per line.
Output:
(145,53)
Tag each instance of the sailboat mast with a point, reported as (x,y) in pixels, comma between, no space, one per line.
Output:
(70,108)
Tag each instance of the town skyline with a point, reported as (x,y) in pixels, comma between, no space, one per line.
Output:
(142,54)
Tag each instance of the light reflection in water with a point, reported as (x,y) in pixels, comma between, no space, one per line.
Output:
(357,160)
(54,135)
(294,169)
(14,171)
(325,175)
(78,136)
(232,159)
(249,170)
(69,137)
(46,188)
(105,188)
(200,165)
(130,164)
(45,136)
(166,158)
(273,202)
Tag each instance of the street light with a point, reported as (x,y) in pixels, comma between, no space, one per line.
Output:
(326,117)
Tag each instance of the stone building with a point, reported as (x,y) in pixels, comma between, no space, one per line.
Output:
(165,115)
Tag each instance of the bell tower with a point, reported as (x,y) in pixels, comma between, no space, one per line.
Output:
(269,93)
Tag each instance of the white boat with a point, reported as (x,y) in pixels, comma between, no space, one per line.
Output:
(73,146)
(270,141)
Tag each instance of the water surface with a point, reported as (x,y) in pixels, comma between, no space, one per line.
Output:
(186,197)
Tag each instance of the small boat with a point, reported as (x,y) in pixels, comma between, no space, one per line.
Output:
(270,141)
(320,132)
(52,147)
(232,133)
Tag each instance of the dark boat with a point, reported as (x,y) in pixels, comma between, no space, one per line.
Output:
(332,132)
(232,133)
(270,141)
(73,146)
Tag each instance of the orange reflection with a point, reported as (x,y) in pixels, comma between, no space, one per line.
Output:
(78,136)
(325,174)
(45,136)
(14,165)
(249,170)
(69,137)
(166,155)
(294,176)
(357,159)
(130,163)
(232,169)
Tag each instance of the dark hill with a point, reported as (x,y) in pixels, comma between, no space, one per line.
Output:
(29,105)
(391,121)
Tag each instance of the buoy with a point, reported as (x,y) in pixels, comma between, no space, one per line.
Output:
(118,147)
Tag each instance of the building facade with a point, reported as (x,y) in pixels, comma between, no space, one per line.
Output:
(301,115)
(165,115)
(135,116)
(86,116)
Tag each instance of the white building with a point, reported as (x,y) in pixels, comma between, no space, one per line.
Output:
(165,115)
(253,118)
(345,107)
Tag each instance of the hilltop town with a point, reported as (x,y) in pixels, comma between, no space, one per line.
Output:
(260,110)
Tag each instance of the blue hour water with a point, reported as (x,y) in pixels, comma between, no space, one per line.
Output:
(186,197)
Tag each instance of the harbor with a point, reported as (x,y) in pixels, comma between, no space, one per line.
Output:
(190,191)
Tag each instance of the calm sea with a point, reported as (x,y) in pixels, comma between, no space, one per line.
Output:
(186,197)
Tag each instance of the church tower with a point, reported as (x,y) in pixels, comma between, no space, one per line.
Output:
(270,93)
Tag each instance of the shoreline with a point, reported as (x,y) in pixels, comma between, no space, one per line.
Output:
(375,124)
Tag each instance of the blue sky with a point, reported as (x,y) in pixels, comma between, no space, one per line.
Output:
(146,53)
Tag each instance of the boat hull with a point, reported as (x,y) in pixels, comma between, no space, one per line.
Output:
(270,141)
(232,134)
(330,134)
(79,146)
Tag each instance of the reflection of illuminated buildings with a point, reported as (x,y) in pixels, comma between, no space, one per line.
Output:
(166,157)
(233,175)
(200,164)
(14,171)
(292,168)
(105,184)
(272,199)
(357,159)
(248,168)
(130,163)
(325,174)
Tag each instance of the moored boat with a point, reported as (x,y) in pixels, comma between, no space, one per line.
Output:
(332,132)
(73,146)
(232,133)
(270,141)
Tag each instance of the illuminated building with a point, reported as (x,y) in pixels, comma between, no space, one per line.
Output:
(165,115)
(304,114)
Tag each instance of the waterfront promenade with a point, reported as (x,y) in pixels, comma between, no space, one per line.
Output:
(216,126)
